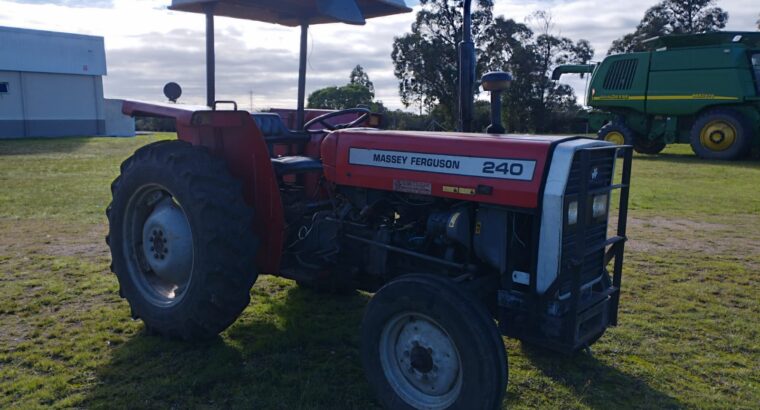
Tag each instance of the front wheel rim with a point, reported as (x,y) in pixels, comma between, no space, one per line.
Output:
(615,138)
(718,135)
(420,361)
(158,245)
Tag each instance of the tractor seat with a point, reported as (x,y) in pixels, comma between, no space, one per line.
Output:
(295,165)
(274,129)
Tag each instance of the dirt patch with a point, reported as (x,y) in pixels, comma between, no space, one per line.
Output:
(22,237)
(735,235)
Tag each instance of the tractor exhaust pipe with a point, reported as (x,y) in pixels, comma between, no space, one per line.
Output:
(466,71)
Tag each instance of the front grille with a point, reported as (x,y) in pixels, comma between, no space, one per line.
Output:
(599,174)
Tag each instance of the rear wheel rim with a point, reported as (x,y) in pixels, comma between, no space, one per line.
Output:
(158,245)
(420,361)
(718,135)
(615,137)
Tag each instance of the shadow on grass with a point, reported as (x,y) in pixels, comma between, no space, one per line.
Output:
(596,384)
(36,146)
(297,349)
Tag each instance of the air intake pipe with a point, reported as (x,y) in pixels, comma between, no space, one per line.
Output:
(496,82)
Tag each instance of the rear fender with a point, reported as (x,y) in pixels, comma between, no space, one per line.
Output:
(233,136)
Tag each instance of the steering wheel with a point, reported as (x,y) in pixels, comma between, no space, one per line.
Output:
(322,120)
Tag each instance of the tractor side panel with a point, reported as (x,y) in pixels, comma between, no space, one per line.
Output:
(234,136)
(503,170)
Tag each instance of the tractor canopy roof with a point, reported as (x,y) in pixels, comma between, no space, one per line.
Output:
(747,38)
(295,12)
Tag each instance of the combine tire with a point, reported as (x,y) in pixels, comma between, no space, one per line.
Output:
(721,134)
(649,147)
(181,240)
(616,133)
(426,344)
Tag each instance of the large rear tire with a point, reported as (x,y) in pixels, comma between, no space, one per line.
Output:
(181,240)
(721,134)
(427,344)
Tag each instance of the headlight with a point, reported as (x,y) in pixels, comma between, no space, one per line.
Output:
(572,213)
(600,206)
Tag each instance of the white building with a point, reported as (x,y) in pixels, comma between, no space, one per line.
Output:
(51,85)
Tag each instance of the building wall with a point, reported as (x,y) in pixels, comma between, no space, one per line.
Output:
(11,106)
(55,84)
(51,105)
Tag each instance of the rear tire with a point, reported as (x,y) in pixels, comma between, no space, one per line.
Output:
(181,240)
(721,134)
(426,343)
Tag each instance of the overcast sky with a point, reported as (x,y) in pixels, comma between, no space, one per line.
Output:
(148,45)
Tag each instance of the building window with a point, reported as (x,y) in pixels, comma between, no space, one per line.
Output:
(3,88)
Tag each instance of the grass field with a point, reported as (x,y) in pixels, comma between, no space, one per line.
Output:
(689,334)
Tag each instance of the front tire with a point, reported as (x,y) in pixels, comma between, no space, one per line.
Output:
(616,133)
(427,344)
(649,147)
(181,240)
(721,134)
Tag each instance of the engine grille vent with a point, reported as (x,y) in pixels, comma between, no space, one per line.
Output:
(621,74)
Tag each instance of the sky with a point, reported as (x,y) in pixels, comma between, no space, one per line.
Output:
(148,45)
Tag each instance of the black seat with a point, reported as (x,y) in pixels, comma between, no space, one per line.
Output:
(295,165)
(275,131)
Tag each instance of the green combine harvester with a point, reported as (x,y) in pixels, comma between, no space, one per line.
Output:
(702,89)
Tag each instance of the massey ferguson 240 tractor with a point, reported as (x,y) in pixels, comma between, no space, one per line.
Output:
(461,237)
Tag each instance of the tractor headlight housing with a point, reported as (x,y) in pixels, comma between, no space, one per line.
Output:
(599,207)
(572,213)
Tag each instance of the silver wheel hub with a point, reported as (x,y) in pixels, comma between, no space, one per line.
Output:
(167,243)
(420,361)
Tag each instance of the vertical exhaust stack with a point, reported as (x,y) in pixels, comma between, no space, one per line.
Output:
(496,82)
(466,70)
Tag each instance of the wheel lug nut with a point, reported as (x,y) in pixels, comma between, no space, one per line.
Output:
(155,255)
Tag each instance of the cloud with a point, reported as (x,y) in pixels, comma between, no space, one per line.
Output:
(148,45)
(71,3)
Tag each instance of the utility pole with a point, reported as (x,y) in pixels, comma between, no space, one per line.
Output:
(250,99)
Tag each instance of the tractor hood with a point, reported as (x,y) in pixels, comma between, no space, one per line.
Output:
(295,12)
(489,168)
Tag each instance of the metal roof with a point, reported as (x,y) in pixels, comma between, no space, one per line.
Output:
(296,12)
(51,52)
(748,38)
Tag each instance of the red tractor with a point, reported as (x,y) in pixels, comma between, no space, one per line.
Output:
(462,237)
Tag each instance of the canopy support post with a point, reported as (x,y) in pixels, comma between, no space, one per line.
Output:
(300,115)
(466,71)
(210,56)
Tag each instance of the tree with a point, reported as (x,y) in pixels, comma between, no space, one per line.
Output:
(426,60)
(426,64)
(672,17)
(360,77)
(338,98)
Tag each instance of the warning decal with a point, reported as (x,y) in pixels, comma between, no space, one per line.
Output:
(500,168)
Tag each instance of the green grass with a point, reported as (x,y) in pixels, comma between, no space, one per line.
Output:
(688,337)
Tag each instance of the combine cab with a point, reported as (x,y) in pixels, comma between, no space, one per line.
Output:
(702,89)
(462,237)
